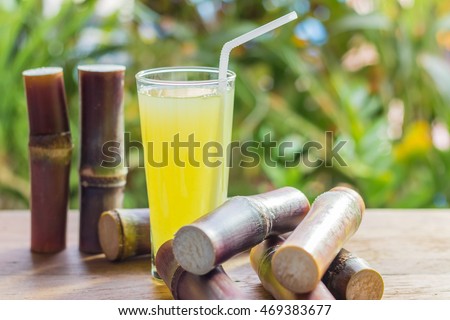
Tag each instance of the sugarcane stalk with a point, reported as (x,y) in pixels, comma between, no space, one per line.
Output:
(237,225)
(261,261)
(301,261)
(101,188)
(215,285)
(351,278)
(50,149)
(124,233)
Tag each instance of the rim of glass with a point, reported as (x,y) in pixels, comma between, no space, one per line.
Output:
(142,76)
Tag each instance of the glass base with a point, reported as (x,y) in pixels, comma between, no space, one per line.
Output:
(153,271)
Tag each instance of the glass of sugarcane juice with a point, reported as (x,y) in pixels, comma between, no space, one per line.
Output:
(186,120)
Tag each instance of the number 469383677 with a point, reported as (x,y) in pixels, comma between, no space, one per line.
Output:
(295,310)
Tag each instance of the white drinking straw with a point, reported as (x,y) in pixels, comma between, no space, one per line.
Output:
(230,45)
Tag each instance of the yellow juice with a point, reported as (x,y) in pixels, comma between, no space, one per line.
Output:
(179,195)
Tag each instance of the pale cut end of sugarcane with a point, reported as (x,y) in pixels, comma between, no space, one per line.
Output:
(296,269)
(111,235)
(101,68)
(44,71)
(194,250)
(366,284)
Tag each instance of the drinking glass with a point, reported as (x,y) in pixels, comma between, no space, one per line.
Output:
(186,120)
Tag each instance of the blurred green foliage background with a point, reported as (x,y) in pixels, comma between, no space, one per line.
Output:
(375,73)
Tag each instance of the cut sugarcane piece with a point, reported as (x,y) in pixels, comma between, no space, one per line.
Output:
(351,278)
(124,233)
(101,184)
(215,285)
(261,258)
(303,258)
(50,150)
(237,225)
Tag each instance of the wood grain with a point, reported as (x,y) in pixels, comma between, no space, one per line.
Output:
(410,248)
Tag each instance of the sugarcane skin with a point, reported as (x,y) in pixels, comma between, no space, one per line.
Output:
(166,265)
(337,267)
(215,285)
(136,229)
(49,201)
(46,101)
(91,208)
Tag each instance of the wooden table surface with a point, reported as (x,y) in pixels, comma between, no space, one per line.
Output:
(410,248)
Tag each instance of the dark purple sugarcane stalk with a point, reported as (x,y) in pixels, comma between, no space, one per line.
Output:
(50,150)
(101,188)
